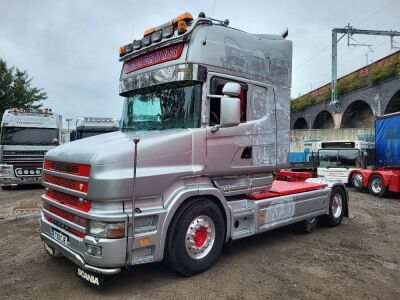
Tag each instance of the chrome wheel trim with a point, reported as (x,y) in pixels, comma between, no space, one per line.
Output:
(376,185)
(199,252)
(358,180)
(337,205)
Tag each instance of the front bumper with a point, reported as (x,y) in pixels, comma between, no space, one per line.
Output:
(76,258)
(113,250)
(19,180)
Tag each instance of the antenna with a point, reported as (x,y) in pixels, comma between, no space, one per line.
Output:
(202,15)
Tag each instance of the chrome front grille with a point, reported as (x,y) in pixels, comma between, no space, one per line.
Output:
(24,158)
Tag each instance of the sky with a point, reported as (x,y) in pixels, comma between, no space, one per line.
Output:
(70,47)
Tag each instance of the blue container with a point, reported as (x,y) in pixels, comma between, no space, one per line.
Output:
(387,140)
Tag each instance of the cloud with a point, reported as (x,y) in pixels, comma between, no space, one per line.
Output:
(71,47)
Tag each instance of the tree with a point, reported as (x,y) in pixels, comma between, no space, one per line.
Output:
(16,90)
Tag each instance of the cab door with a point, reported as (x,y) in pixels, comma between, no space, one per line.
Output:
(249,145)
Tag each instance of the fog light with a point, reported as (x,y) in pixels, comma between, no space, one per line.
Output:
(93,250)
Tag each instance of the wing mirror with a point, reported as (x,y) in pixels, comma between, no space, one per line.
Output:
(230,105)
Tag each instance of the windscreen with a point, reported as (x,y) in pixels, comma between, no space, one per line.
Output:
(347,158)
(88,133)
(169,106)
(28,136)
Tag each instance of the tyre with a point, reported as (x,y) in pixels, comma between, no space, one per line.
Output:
(6,187)
(308,225)
(376,185)
(195,237)
(337,207)
(357,181)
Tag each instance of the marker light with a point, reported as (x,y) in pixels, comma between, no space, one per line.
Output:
(137,44)
(121,51)
(167,32)
(146,40)
(156,36)
(183,17)
(14,109)
(187,17)
(182,27)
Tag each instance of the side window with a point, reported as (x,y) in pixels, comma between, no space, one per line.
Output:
(216,86)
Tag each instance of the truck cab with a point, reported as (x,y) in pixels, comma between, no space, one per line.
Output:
(337,159)
(26,136)
(91,126)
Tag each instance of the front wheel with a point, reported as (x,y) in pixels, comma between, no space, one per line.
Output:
(376,185)
(336,207)
(357,180)
(196,237)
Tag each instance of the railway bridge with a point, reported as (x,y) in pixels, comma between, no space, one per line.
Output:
(363,94)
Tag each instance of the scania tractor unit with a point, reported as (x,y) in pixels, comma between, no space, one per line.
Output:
(26,136)
(204,128)
(90,126)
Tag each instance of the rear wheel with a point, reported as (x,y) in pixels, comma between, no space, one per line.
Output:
(336,207)
(357,180)
(376,185)
(196,237)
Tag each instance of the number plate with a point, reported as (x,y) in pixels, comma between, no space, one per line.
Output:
(60,237)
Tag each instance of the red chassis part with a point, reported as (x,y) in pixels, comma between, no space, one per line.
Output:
(288,183)
(391,177)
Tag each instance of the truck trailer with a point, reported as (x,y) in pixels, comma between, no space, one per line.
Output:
(204,128)
(26,136)
(386,175)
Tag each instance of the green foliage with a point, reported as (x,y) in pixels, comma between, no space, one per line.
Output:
(16,90)
(383,72)
(350,83)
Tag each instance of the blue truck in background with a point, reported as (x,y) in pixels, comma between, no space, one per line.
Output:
(387,141)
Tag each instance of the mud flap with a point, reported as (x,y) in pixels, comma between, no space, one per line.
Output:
(92,279)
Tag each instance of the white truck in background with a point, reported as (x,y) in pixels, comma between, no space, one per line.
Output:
(336,159)
(26,136)
(91,126)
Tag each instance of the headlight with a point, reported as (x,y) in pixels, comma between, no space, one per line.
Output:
(107,230)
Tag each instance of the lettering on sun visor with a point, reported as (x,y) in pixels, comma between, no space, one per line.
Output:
(153,58)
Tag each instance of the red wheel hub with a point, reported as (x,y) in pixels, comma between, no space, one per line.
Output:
(200,237)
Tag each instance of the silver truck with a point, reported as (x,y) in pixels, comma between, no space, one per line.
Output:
(26,136)
(205,125)
(90,126)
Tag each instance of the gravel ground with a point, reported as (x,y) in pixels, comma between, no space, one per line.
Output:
(359,259)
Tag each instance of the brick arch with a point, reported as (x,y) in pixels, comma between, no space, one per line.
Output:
(358,114)
(323,120)
(393,104)
(300,123)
